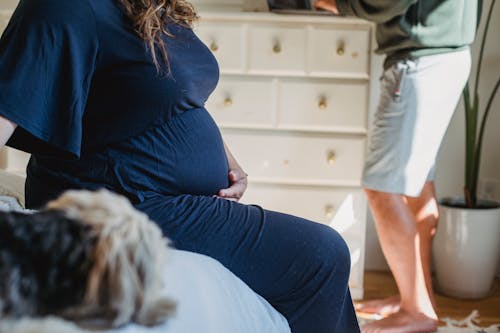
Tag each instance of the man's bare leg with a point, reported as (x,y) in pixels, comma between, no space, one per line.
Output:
(425,211)
(401,244)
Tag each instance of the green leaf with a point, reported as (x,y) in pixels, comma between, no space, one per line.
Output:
(474,135)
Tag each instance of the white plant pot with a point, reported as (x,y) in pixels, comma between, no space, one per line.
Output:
(466,250)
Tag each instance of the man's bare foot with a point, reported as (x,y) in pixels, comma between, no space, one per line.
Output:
(402,322)
(383,307)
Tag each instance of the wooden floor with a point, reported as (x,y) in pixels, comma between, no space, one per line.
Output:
(381,284)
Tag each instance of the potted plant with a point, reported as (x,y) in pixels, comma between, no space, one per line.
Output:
(466,248)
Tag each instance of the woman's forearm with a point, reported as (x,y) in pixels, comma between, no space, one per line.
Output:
(233,164)
(7,127)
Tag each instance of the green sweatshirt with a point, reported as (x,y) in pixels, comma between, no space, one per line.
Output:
(413,28)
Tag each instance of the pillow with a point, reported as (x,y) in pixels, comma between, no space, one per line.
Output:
(12,185)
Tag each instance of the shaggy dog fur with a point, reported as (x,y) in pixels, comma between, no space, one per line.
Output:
(87,256)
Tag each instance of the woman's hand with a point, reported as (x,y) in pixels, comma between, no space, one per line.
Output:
(238,185)
(237,179)
(330,5)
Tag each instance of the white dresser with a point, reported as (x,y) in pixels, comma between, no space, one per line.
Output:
(292,104)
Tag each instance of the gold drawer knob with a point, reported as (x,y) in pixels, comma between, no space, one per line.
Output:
(228,101)
(329,211)
(323,103)
(341,49)
(277,47)
(331,157)
(214,46)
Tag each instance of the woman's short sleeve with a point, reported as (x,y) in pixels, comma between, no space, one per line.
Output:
(47,59)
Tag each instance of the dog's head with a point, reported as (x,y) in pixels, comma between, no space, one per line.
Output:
(120,259)
(45,259)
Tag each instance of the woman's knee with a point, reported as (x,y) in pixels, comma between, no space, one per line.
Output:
(331,253)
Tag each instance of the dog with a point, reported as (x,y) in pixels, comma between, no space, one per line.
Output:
(86,256)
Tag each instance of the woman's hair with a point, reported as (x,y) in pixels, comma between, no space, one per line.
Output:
(150,18)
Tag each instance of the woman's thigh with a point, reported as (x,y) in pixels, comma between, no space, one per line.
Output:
(300,267)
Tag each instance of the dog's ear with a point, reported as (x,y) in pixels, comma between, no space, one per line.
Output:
(148,256)
(126,278)
(135,251)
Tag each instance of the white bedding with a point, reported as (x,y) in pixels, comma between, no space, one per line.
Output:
(210,299)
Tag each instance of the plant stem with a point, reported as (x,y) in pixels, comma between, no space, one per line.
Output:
(479,143)
(483,41)
(468,160)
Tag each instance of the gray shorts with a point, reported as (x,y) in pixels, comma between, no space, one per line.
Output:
(417,100)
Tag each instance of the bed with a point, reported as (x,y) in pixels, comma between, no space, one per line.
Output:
(210,299)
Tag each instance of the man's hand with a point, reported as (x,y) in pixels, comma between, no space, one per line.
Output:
(330,5)
(238,185)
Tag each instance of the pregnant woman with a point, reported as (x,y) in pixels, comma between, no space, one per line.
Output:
(110,94)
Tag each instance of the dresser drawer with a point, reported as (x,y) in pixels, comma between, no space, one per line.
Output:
(298,158)
(322,105)
(276,49)
(344,209)
(339,52)
(227,42)
(243,102)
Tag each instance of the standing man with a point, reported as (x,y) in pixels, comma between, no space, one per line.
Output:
(427,63)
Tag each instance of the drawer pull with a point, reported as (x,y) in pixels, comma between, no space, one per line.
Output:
(277,47)
(341,49)
(214,46)
(228,102)
(331,157)
(329,211)
(322,104)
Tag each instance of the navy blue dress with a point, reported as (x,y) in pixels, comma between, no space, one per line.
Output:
(94,112)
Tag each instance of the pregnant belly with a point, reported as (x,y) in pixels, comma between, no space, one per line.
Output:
(182,156)
(201,165)
(194,157)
